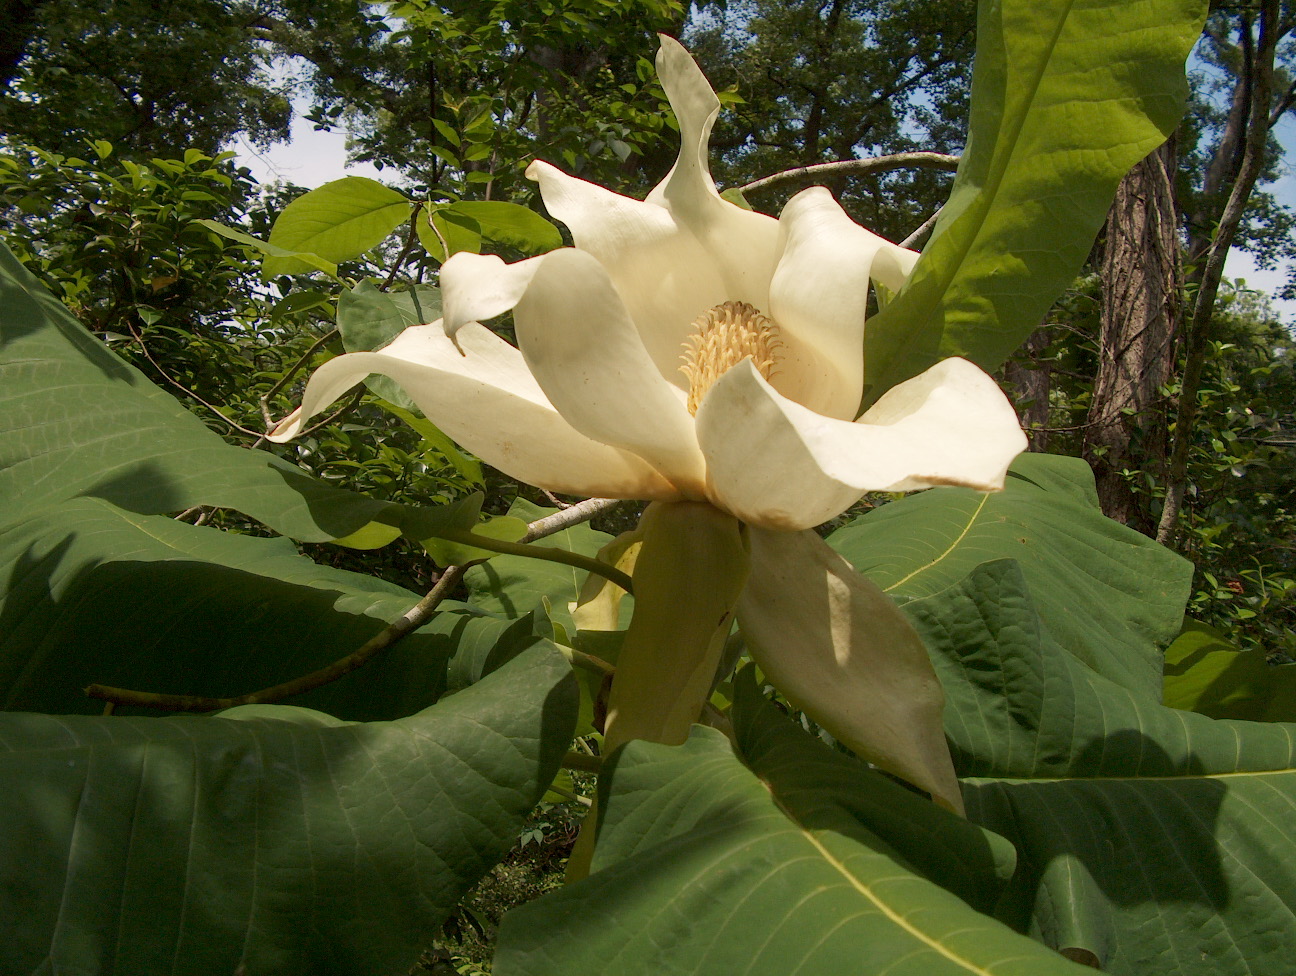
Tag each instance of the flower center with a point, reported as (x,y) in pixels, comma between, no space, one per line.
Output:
(722,337)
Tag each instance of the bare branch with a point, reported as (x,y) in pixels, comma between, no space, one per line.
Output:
(857,167)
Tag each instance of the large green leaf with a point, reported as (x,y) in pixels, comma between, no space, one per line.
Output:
(1105,592)
(1205,673)
(280,843)
(1149,839)
(509,223)
(1067,95)
(77,421)
(338,221)
(92,593)
(797,861)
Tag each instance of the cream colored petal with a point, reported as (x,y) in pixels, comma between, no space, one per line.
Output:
(481,394)
(665,277)
(744,243)
(840,650)
(583,349)
(476,287)
(818,297)
(772,462)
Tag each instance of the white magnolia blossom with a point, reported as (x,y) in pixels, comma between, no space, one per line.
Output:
(688,349)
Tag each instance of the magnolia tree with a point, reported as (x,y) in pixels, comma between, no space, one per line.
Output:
(996,785)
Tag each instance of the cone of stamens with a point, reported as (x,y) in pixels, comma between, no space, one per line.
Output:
(722,337)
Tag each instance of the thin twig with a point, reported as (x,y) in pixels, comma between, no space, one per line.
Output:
(465,537)
(856,167)
(409,243)
(331,418)
(569,516)
(410,620)
(584,801)
(583,763)
(184,389)
(926,226)
(292,371)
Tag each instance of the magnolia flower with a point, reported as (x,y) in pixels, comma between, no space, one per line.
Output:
(687,349)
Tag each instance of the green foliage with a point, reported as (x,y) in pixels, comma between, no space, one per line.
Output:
(86,424)
(787,858)
(1205,673)
(1047,520)
(1066,98)
(793,65)
(145,76)
(279,841)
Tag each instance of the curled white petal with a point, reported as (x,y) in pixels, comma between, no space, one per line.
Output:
(583,349)
(774,463)
(665,277)
(481,394)
(818,297)
(476,287)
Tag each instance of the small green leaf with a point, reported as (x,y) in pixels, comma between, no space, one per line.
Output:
(460,232)
(735,196)
(339,221)
(509,223)
(271,250)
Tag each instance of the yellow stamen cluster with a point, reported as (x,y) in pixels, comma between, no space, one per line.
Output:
(723,337)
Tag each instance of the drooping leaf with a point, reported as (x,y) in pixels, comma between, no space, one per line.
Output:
(307,258)
(448,233)
(796,863)
(1105,592)
(339,221)
(94,594)
(1066,97)
(1205,673)
(77,421)
(279,842)
(1149,839)
(509,223)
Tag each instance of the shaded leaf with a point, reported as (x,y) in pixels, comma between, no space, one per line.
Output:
(1105,592)
(369,319)
(1205,673)
(278,843)
(793,865)
(77,421)
(1147,836)
(91,593)
(509,223)
(514,585)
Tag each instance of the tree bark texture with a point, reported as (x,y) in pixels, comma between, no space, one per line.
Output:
(1141,288)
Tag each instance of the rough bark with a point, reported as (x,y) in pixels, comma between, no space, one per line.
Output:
(1031,381)
(1141,288)
(1256,79)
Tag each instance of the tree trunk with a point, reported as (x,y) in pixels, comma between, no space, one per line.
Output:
(1141,287)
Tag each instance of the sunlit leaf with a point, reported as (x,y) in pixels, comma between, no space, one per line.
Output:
(1066,97)
(338,221)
